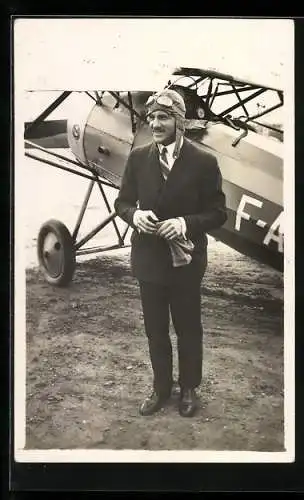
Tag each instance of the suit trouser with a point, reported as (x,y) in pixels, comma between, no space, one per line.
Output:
(184,303)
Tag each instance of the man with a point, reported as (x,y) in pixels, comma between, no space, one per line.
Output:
(171,195)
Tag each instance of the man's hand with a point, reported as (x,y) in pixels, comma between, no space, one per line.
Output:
(145,221)
(170,229)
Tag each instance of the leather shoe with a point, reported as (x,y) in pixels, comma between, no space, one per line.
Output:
(188,403)
(152,404)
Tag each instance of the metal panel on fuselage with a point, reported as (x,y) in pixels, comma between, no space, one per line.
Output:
(255,163)
(109,131)
(104,137)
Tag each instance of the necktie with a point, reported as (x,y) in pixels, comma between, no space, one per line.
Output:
(164,163)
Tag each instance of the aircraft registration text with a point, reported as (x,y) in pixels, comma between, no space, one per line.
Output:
(275,232)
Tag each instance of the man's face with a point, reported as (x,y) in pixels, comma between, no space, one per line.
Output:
(163,127)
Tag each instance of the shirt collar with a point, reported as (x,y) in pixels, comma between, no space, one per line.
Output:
(170,147)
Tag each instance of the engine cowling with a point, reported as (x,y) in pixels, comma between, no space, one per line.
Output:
(102,135)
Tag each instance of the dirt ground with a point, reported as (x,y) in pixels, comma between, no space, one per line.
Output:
(88,367)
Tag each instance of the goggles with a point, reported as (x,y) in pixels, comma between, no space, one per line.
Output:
(162,100)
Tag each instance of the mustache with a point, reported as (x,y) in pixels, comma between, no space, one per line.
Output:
(157,129)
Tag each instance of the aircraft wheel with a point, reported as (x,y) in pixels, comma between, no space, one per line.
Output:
(56,253)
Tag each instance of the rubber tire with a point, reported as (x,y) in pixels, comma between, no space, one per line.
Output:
(69,254)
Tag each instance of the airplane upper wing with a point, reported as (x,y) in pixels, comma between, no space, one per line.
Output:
(272,79)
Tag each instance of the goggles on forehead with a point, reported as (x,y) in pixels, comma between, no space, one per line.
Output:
(163,100)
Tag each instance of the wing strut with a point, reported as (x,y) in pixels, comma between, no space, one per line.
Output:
(33,125)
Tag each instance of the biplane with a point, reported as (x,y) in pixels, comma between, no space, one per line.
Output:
(235,119)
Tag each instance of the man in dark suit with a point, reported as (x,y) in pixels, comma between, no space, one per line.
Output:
(171,194)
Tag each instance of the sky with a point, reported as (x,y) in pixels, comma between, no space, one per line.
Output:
(130,53)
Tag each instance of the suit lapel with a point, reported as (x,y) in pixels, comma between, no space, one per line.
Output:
(154,179)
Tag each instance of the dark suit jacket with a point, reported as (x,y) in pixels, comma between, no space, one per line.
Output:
(192,190)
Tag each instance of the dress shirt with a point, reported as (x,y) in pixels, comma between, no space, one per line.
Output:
(170,150)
